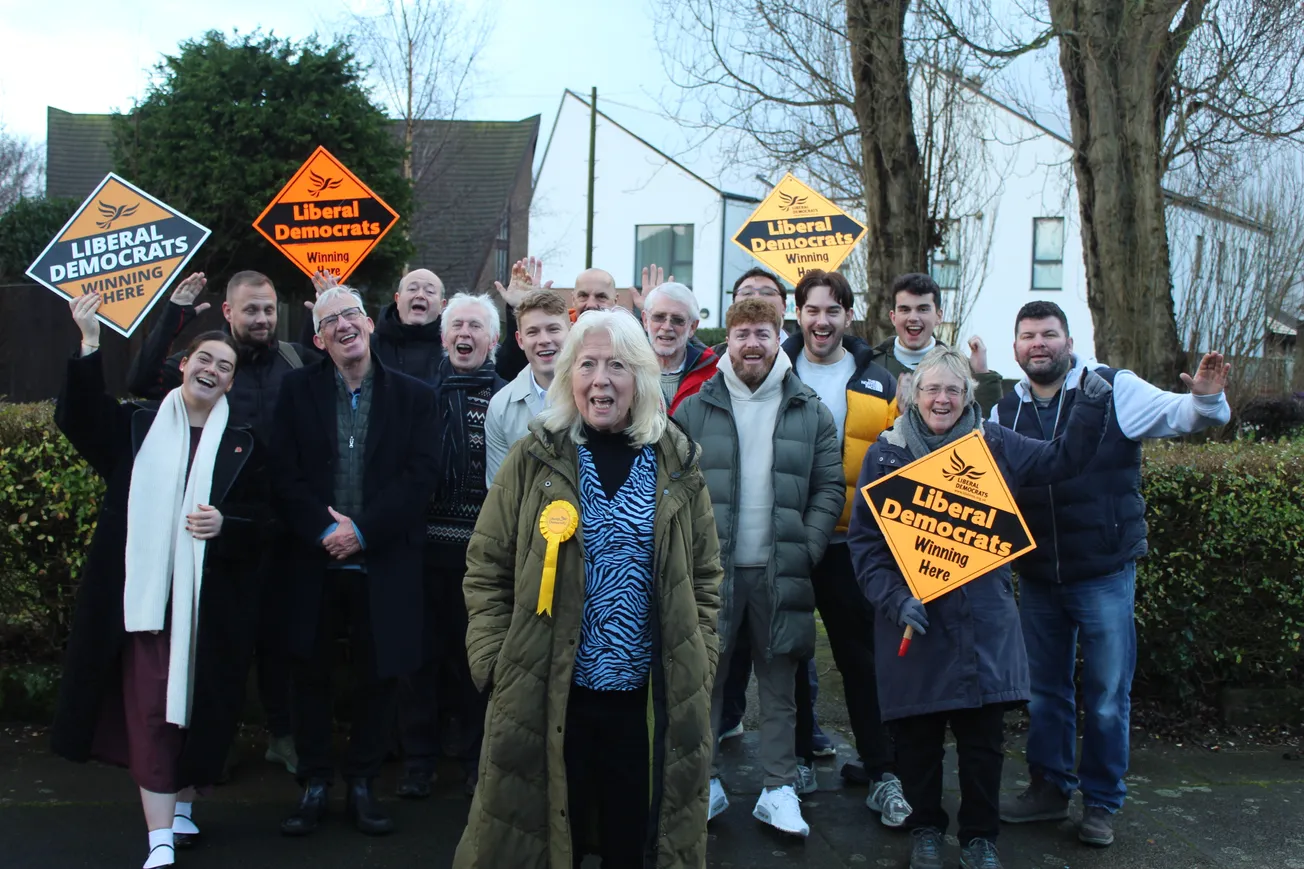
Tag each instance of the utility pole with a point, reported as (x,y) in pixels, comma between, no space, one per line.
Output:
(593,150)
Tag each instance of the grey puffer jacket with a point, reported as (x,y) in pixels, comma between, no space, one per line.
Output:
(809,494)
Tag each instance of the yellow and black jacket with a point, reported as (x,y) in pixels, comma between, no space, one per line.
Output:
(871,409)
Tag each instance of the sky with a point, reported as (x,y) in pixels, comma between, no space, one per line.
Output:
(96,55)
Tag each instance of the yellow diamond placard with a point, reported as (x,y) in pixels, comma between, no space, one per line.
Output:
(948,517)
(123,244)
(795,230)
(326,218)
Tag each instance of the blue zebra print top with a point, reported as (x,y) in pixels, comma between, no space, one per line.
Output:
(615,650)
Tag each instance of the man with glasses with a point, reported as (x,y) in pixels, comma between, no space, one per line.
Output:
(354,453)
(250,309)
(758,283)
(670,317)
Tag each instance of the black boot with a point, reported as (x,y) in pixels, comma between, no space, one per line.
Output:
(416,782)
(364,810)
(312,807)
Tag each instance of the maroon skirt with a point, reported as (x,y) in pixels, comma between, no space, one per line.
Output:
(133,730)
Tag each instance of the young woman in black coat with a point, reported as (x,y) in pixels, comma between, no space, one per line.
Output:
(153,678)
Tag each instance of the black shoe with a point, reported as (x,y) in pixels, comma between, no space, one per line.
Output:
(853,773)
(363,809)
(415,784)
(1097,827)
(312,807)
(926,849)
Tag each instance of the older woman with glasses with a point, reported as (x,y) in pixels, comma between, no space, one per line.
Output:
(967,665)
(592,587)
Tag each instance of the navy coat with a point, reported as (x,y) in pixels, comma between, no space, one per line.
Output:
(973,654)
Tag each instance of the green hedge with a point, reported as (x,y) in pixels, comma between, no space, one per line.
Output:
(49,498)
(1220,600)
(711,337)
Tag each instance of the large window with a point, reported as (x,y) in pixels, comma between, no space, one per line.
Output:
(667,245)
(1048,253)
(502,260)
(945,265)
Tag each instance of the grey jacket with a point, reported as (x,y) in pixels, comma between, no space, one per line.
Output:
(809,494)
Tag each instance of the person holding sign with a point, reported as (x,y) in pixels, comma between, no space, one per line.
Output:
(164,626)
(592,584)
(967,663)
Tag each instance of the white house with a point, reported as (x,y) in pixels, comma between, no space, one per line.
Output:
(649,208)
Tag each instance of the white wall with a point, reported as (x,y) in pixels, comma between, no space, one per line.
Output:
(634,186)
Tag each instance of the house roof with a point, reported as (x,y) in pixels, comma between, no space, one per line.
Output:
(644,142)
(466,172)
(78,152)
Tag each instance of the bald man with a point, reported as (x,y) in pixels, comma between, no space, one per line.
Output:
(595,290)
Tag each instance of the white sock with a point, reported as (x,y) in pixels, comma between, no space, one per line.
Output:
(161,852)
(181,823)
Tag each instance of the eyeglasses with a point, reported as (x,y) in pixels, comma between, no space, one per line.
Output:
(348,315)
(675,320)
(933,390)
(748,292)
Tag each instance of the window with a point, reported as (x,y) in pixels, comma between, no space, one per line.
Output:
(502,260)
(1048,253)
(945,266)
(669,246)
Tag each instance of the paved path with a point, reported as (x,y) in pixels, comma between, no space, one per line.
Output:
(1189,809)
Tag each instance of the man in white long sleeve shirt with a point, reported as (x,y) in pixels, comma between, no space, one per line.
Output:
(542,323)
(1078,585)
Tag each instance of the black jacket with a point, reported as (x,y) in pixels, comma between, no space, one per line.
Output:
(1093,524)
(413,350)
(258,378)
(108,435)
(399,476)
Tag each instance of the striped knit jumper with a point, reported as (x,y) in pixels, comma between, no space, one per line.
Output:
(451,516)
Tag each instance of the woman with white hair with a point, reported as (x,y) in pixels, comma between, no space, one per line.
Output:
(592,585)
(967,664)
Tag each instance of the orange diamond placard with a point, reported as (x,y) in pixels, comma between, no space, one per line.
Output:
(948,517)
(795,230)
(123,244)
(326,218)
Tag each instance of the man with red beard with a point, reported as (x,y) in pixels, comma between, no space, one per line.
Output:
(774,513)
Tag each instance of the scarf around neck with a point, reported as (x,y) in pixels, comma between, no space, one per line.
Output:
(453,388)
(164,563)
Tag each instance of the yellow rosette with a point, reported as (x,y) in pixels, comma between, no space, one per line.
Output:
(557,523)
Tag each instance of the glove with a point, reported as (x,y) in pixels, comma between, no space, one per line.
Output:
(1093,386)
(913,614)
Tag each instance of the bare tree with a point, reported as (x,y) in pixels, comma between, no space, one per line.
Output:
(1152,86)
(1236,273)
(22,169)
(423,57)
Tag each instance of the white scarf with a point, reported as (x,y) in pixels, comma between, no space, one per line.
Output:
(162,555)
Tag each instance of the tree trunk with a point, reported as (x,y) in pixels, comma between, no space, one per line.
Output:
(1117,57)
(896,201)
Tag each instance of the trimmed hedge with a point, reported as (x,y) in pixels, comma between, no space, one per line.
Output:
(711,336)
(1220,600)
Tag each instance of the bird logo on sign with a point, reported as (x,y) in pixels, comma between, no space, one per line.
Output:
(959,468)
(113,212)
(321,185)
(790,201)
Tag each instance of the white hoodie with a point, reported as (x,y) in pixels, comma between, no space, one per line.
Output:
(755,416)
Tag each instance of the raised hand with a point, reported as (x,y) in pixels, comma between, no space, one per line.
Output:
(322,281)
(653,276)
(84,309)
(977,355)
(1211,377)
(188,290)
(205,523)
(527,274)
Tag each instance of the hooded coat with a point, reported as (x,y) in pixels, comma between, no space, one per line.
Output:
(973,653)
(519,813)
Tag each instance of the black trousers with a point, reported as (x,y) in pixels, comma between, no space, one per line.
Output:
(607,775)
(271,652)
(849,621)
(979,737)
(345,606)
(443,685)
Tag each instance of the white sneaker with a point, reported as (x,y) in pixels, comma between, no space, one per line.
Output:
(719,801)
(806,782)
(781,809)
(732,732)
(887,798)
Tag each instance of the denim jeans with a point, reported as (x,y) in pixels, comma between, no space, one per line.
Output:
(1099,614)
